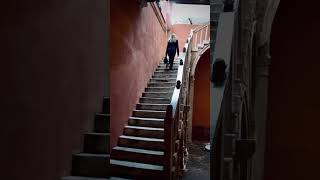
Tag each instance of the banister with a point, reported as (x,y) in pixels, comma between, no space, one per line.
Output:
(171,122)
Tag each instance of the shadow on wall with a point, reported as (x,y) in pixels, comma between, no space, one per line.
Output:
(292,150)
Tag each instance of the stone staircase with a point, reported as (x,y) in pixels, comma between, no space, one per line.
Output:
(94,162)
(140,150)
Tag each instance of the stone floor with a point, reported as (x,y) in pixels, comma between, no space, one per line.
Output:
(198,164)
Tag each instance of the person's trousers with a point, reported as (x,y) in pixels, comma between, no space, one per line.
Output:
(171,59)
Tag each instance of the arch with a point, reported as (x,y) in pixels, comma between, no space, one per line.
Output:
(200,54)
(206,49)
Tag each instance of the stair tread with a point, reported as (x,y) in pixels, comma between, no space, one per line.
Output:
(154,104)
(81,178)
(136,165)
(138,110)
(142,138)
(156,98)
(145,128)
(138,150)
(166,92)
(147,119)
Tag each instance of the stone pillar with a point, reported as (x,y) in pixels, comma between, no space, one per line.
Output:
(260,109)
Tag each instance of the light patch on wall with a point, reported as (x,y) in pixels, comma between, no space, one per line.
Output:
(199,14)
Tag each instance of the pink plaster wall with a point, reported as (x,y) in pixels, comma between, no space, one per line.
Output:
(182,31)
(137,46)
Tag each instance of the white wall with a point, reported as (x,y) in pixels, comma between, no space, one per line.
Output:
(199,14)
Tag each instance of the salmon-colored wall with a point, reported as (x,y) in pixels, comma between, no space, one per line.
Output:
(293,146)
(201,99)
(182,31)
(137,44)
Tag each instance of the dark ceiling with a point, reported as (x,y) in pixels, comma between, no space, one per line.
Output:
(204,2)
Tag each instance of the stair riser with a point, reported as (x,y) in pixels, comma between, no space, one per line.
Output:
(159,89)
(146,123)
(157,95)
(155,101)
(133,173)
(96,144)
(143,133)
(137,157)
(175,68)
(102,123)
(156,80)
(159,75)
(166,73)
(157,146)
(151,107)
(91,166)
(161,84)
(147,114)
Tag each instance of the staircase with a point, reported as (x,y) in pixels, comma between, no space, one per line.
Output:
(93,162)
(140,150)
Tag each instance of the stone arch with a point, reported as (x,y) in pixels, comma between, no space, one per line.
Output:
(193,66)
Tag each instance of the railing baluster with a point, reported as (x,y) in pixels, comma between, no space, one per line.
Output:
(205,37)
(201,37)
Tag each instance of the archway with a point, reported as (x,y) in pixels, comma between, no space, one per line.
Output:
(199,97)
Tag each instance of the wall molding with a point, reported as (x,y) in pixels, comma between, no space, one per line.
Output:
(159,15)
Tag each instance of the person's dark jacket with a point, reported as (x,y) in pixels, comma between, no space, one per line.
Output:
(172,48)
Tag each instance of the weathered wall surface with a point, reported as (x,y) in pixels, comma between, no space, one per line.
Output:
(137,45)
(201,99)
(182,31)
(54,74)
(293,119)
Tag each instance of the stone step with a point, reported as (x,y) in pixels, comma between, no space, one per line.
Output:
(161,84)
(157,94)
(140,131)
(167,67)
(159,89)
(165,73)
(138,155)
(91,165)
(82,178)
(163,80)
(97,143)
(167,70)
(159,75)
(141,142)
(149,106)
(164,65)
(146,122)
(127,169)
(102,123)
(155,100)
(149,114)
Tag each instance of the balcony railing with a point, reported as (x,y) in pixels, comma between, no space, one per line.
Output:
(201,36)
